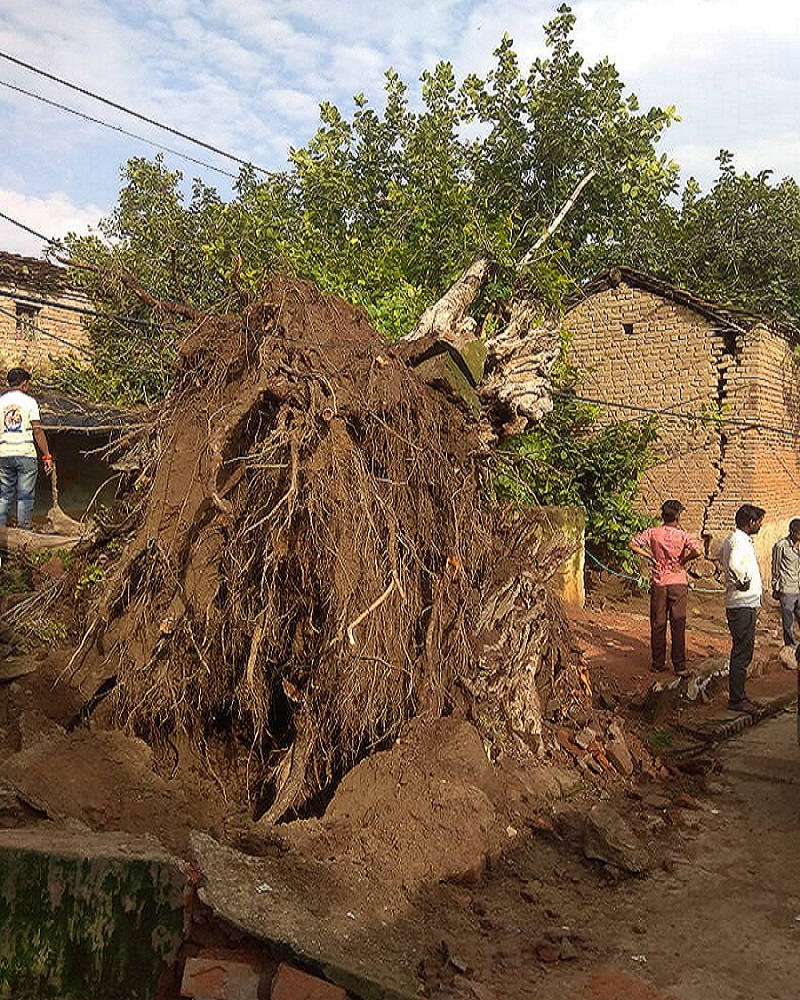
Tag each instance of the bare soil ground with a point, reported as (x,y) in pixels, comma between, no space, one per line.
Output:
(433,867)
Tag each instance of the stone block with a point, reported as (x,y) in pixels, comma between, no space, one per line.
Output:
(473,357)
(609,838)
(444,370)
(292,984)
(86,915)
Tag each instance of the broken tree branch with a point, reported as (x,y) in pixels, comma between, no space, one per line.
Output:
(564,211)
(446,316)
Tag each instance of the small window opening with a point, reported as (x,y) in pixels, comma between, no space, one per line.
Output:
(627,329)
(26,321)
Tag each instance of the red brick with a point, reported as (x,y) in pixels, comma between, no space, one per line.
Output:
(292,984)
(207,978)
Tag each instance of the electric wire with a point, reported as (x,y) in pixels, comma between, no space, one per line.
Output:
(130,111)
(21,225)
(52,336)
(679,415)
(89,355)
(115,128)
(80,310)
(668,412)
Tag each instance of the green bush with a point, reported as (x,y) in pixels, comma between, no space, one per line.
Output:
(16,575)
(89,580)
(576,456)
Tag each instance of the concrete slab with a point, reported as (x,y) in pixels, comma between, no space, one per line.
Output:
(301,908)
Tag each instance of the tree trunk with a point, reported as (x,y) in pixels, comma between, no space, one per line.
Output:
(18,539)
(447,319)
(516,389)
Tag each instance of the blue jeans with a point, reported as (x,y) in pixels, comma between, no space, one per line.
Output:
(790,613)
(17,478)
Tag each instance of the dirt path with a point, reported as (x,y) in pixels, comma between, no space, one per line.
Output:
(724,922)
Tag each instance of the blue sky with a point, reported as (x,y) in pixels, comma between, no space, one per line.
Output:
(247,76)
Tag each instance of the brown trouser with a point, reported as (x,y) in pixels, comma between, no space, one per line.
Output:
(668,603)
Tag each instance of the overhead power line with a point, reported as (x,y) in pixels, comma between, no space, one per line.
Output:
(79,310)
(33,232)
(130,111)
(52,336)
(87,354)
(55,304)
(115,128)
(701,417)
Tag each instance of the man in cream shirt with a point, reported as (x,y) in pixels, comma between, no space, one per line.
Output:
(742,601)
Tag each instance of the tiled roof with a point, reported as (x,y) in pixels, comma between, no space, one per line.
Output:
(728,317)
(32,274)
(62,412)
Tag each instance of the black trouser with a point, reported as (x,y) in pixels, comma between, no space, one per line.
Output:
(742,625)
(790,613)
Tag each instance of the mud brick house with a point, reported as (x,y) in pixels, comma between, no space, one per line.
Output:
(41,317)
(723,383)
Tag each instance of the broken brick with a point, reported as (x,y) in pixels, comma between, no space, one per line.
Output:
(292,984)
(212,978)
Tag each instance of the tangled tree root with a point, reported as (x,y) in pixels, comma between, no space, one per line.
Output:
(314,564)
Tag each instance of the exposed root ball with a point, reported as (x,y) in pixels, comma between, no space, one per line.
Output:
(313,560)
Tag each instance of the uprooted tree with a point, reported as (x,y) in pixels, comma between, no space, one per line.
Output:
(313,561)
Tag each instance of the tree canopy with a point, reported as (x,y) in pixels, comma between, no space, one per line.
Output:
(740,243)
(386,207)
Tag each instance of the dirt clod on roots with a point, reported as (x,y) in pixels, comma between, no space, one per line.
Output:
(314,563)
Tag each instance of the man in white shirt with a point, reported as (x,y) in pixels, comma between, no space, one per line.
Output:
(20,432)
(742,601)
(786,579)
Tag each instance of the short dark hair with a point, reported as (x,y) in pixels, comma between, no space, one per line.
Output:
(748,513)
(794,524)
(671,510)
(17,376)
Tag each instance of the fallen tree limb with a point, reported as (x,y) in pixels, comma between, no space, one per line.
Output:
(559,218)
(446,317)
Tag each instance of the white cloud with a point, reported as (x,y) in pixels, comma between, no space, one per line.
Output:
(53,217)
(730,67)
(248,76)
(643,34)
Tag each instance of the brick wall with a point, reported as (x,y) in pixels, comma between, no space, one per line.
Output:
(775,444)
(636,348)
(34,329)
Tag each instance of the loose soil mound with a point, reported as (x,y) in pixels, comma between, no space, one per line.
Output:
(314,563)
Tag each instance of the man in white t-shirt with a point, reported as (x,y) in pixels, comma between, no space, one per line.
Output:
(20,433)
(742,600)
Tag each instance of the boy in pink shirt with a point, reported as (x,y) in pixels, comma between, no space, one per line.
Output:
(668,548)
